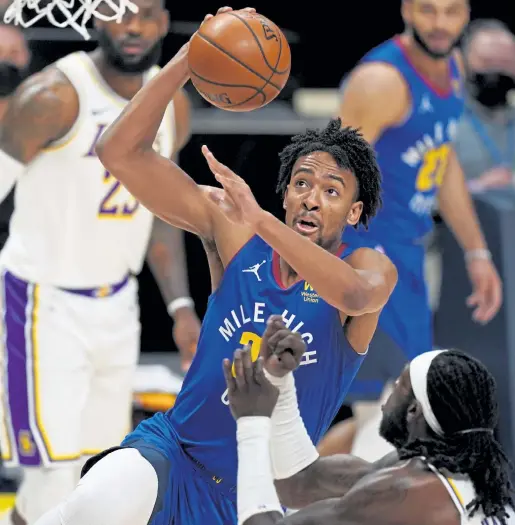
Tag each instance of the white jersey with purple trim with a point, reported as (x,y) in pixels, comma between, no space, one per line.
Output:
(462,493)
(74,225)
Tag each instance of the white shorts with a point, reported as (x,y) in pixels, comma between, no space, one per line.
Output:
(68,365)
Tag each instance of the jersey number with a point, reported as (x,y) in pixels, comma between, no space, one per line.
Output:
(255,340)
(112,206)
(430,175)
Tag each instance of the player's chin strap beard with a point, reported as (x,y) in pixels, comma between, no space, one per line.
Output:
(418,371)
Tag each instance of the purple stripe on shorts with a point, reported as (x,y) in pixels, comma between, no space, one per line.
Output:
(16,298)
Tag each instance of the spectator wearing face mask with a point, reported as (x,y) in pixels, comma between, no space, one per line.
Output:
(14,61)
(486,133)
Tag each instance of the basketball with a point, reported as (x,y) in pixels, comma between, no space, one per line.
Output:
(239,61)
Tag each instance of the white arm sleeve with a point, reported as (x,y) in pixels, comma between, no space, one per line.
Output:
(10,171)
(255,487)
(291,448)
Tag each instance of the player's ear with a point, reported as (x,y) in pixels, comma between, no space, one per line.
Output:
(355,213)
(284,198)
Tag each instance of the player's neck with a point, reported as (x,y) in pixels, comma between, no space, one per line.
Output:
(436,69)
(124,85)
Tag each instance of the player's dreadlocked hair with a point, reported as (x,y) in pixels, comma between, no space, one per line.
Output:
(349,149)
(462,394)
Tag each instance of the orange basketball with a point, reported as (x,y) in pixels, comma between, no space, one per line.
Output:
(239,61)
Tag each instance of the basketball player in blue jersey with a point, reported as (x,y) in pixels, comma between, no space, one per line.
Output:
(405,97)
(180,467)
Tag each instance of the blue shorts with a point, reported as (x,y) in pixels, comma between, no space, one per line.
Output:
(187,493)
(405,324)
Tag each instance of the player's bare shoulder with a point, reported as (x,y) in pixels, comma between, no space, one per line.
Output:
(43,109)
(375,96)
(402,494)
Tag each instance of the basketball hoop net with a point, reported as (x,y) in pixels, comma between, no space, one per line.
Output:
(75,18)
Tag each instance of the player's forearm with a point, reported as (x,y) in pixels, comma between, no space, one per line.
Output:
(167,259)
(327,477)
(457,208)
(135,130)
(333,279)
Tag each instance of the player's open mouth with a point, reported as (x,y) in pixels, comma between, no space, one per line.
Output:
(306,227)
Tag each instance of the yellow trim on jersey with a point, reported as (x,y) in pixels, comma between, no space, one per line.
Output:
(60,145)
(456,492)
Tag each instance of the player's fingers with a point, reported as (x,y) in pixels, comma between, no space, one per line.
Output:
(223,10)
(215,165)
(473,299)
(274,339)
(239,374)
(288,361)
(246,360)
(229,379)
(259,375)
(249,9)
(292,343)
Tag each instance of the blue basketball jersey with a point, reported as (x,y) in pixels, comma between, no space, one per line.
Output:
(251,291)
(413,156)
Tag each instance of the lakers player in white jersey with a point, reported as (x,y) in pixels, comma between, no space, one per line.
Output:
(71,326)
(447,469)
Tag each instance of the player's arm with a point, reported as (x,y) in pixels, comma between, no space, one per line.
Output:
(457,208)
(42,110)
(356,288)
(374,98)
(328,477)
(158,183)
(166,254)
(388,496)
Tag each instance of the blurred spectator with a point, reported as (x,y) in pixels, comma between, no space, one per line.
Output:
(14,62)
(486,135)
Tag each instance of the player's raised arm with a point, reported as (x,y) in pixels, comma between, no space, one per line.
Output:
(374,97)
(42,110)
(126,151)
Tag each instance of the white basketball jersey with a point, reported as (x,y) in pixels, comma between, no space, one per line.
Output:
(74,225)
(462,493)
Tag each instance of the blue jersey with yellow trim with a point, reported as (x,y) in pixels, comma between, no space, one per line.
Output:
(251,291)
(413,156)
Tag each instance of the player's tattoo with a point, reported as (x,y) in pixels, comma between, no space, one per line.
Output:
(42,110)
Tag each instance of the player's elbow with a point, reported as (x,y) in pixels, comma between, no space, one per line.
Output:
(112,156)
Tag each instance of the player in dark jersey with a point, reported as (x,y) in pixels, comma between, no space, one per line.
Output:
(447,467)
(406,98)
(180,467)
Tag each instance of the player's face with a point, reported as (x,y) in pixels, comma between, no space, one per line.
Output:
(134,45)
(437,25)
(320,199)
(394,424)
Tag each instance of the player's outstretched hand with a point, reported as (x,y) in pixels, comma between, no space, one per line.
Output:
(248,390)
(237,202)
(281,348)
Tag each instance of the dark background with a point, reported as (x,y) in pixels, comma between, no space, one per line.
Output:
(327,39)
